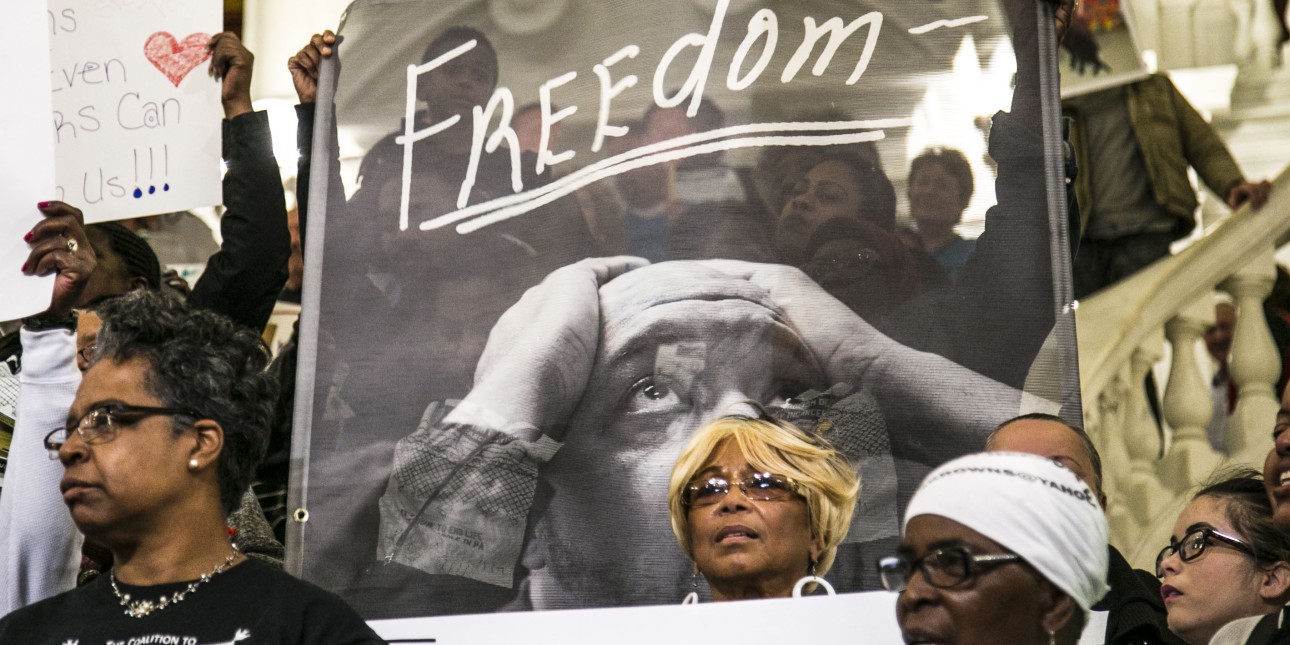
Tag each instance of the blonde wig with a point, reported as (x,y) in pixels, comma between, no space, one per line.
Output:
(826,480)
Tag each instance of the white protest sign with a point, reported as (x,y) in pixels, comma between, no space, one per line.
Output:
(27,171)
(136,116)
(868,618)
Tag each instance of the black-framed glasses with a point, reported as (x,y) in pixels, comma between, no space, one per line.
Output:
(100,424)
(1193,545)
(757,486)
(87,352)
(942,568)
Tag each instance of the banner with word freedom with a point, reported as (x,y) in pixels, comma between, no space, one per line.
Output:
(136,117)
(547,242)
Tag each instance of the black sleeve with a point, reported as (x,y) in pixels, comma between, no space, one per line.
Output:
(243,280)
(995,318)
(304,163)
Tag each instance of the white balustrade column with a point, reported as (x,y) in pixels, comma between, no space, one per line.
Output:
(1143,442)
(1177,41)
(1253,362)
(1187,404)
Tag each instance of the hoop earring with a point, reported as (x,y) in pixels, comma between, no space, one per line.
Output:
(806,580)
(809,578)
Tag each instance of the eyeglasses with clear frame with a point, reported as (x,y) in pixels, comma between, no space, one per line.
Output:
(87,353)
(942,568)
(101,423)
(1193,545)
(757,486)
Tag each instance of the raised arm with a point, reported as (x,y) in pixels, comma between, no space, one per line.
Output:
(243,279)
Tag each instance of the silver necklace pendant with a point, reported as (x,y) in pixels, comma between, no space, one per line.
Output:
(141,608)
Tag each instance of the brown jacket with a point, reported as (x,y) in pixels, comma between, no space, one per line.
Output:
(1172,135)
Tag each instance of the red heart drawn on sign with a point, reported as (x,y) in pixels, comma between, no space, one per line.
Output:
(176,59)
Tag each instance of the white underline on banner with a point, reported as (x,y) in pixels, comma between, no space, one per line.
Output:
(671,149)
(959,22)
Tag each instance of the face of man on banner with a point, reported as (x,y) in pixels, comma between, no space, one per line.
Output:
(681,345)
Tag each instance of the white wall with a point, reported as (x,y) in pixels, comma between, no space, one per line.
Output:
(274,30)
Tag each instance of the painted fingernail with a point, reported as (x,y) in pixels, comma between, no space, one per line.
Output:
(24,267)
(43,204)
(27,237)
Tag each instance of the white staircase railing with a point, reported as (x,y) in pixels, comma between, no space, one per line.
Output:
(1120,339)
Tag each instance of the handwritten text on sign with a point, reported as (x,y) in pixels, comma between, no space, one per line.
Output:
(136,118)
(821,38)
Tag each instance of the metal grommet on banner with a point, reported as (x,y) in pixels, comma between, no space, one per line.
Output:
(300,516)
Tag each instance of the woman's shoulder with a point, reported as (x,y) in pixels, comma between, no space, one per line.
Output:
(1238,632)
(80,601)
(314,607)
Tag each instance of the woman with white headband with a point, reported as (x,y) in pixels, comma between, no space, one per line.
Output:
(998,548)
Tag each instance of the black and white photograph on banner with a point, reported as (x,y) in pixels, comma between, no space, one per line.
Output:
(549,242)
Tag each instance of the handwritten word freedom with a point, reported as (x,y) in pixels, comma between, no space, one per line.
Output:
(762,28)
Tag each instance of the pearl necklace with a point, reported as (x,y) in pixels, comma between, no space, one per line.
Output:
(141,608)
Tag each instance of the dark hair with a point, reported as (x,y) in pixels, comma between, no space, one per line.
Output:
(1249,511)
(453,36)
(877,195)
(139,260)
(199,361)
(952,161)
(1093,457)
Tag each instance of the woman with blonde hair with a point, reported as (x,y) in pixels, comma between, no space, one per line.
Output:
(760,506)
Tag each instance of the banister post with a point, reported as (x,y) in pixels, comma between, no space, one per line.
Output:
(1253,362)
(1187,404)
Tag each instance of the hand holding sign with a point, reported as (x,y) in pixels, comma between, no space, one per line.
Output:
(231,63)
(59,245)
(304,65)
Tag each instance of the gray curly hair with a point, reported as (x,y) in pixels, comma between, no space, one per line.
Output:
(203,362)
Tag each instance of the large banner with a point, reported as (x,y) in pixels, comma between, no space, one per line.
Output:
(548,241)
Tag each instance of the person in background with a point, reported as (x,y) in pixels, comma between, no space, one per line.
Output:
(760,505)
(158,447)
(1274,628)
(940,187)
(1222,389)
(1003,548)
(1132,612)
(839,228)
(1225,560)
(1134,144)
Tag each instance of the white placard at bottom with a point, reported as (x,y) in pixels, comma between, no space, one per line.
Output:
(846,618)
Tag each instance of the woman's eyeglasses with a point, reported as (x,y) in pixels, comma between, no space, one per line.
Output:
(1193,545)
(758,486)
(100,424)
(942,568)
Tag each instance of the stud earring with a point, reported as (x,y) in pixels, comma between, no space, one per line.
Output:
(192,464)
